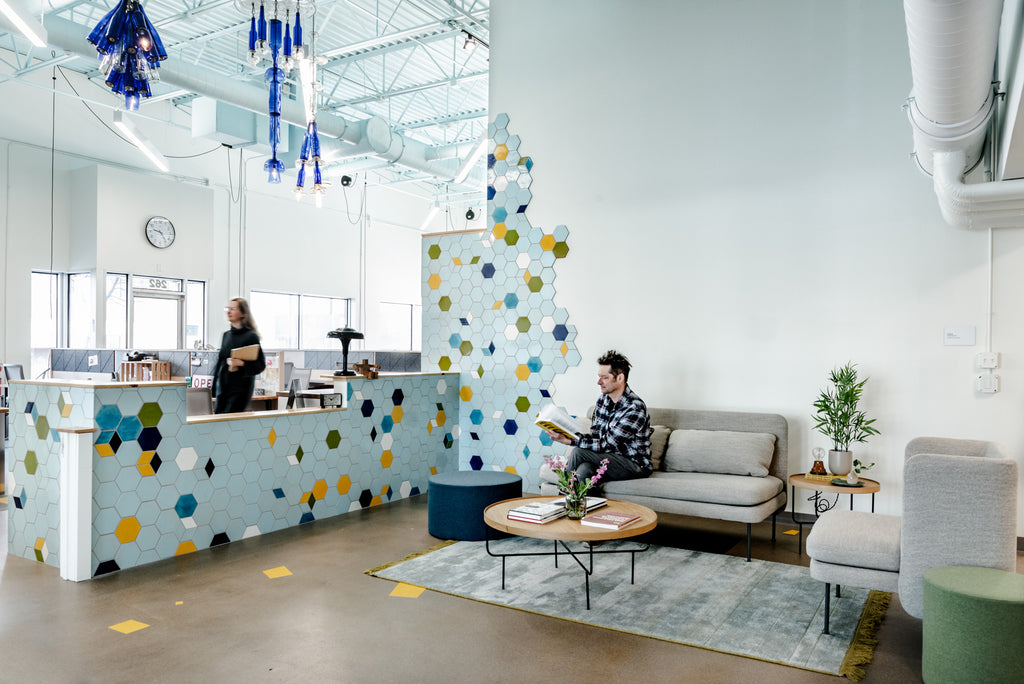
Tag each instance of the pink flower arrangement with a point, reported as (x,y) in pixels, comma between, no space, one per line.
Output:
(568,482)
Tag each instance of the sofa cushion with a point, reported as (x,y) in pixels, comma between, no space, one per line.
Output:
(659,440)
(719,451)
(856,539)
(700,487)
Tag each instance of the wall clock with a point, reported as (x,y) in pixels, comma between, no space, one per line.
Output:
(160,232)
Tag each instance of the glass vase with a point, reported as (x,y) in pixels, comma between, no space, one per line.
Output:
(575,506)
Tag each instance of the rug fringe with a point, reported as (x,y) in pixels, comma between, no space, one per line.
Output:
(865,638)
(435,547)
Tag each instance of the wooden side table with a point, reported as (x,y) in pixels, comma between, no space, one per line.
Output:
(821,503)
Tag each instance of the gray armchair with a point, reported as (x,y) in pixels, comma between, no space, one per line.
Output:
(959,508)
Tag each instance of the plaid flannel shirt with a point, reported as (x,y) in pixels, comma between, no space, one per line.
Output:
(622,428)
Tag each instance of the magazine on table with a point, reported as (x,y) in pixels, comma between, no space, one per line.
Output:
(557,420)
(611,520)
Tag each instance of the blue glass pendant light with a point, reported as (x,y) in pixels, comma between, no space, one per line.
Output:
(274,76)
(130,51)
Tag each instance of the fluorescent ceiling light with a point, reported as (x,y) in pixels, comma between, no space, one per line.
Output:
(467,165)
(434,208)
(24,22)
(136,137)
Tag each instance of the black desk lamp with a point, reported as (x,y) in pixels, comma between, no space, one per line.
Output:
(346,335)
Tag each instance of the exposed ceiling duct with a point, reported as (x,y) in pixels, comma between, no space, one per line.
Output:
(338,135)
(952,58)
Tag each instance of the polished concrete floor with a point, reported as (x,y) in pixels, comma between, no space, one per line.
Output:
(214,616)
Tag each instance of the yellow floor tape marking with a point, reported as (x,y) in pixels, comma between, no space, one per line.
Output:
(791,532)
(129,626)
(274,573)
(404,590)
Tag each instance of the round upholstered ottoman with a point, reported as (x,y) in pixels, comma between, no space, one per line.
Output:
(456,501)
(973,628)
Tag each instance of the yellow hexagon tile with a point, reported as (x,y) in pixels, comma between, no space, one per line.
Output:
(501,151)
(511,469)
(441,418)
(320,490)
(466,393)
(499,231)
(386,459)
(547,243)
(434,281)
(185,547)
(344,484)
(523,372)
(128,529)
(397,413)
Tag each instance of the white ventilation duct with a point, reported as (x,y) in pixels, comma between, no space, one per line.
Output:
(374,133)
(952,56)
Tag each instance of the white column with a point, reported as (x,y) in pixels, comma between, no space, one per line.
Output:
(76,503)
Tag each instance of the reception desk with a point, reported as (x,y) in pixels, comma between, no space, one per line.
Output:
(107,476)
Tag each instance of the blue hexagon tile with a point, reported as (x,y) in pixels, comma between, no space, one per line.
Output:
(489,312)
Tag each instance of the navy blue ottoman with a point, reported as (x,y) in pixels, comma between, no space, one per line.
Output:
(456,502)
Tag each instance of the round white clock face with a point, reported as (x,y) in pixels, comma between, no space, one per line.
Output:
(160,232)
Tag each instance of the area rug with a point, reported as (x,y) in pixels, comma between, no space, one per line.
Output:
(763,610)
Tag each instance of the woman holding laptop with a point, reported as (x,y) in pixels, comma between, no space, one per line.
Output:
(239,362)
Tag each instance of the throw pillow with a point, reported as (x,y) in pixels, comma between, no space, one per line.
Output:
(659,440)
(720,451)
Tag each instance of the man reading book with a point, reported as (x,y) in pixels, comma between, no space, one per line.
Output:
(621,430)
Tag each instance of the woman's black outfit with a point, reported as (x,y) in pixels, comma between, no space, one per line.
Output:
(233,389)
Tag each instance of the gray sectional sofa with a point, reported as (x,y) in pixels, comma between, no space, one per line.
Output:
(724,465)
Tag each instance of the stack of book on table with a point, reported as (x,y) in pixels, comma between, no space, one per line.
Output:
(542,512)
(538,512)
(612,520)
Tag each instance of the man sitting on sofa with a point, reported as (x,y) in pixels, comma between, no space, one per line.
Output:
(621,429)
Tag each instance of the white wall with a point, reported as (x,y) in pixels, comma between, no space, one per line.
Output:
(743,215)
(235,230)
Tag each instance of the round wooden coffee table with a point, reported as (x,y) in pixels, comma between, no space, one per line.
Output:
(562,531)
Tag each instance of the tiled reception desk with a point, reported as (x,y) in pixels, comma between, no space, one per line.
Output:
(103,477)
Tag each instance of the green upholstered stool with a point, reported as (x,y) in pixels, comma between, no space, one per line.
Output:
(973,626)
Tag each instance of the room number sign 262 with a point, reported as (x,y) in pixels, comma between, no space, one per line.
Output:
(158,284)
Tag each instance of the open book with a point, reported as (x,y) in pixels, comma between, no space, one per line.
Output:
(557,420)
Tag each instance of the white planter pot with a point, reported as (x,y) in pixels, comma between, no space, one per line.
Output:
(840,462)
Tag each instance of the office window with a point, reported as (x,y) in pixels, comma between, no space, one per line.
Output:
(81,311)
(116,302)
(195,314)
(277,317)
(156,312)
(290,321)
(318,316)
(400,327)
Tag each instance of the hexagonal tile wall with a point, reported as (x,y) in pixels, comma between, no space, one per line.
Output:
(162,486)
(489,313)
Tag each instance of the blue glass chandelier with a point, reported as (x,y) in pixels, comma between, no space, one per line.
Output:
(285,48)
(130,51)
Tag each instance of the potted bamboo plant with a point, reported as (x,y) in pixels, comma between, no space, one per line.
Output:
(839,418)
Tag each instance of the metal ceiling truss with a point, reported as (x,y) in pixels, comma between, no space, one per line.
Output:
(400,60)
